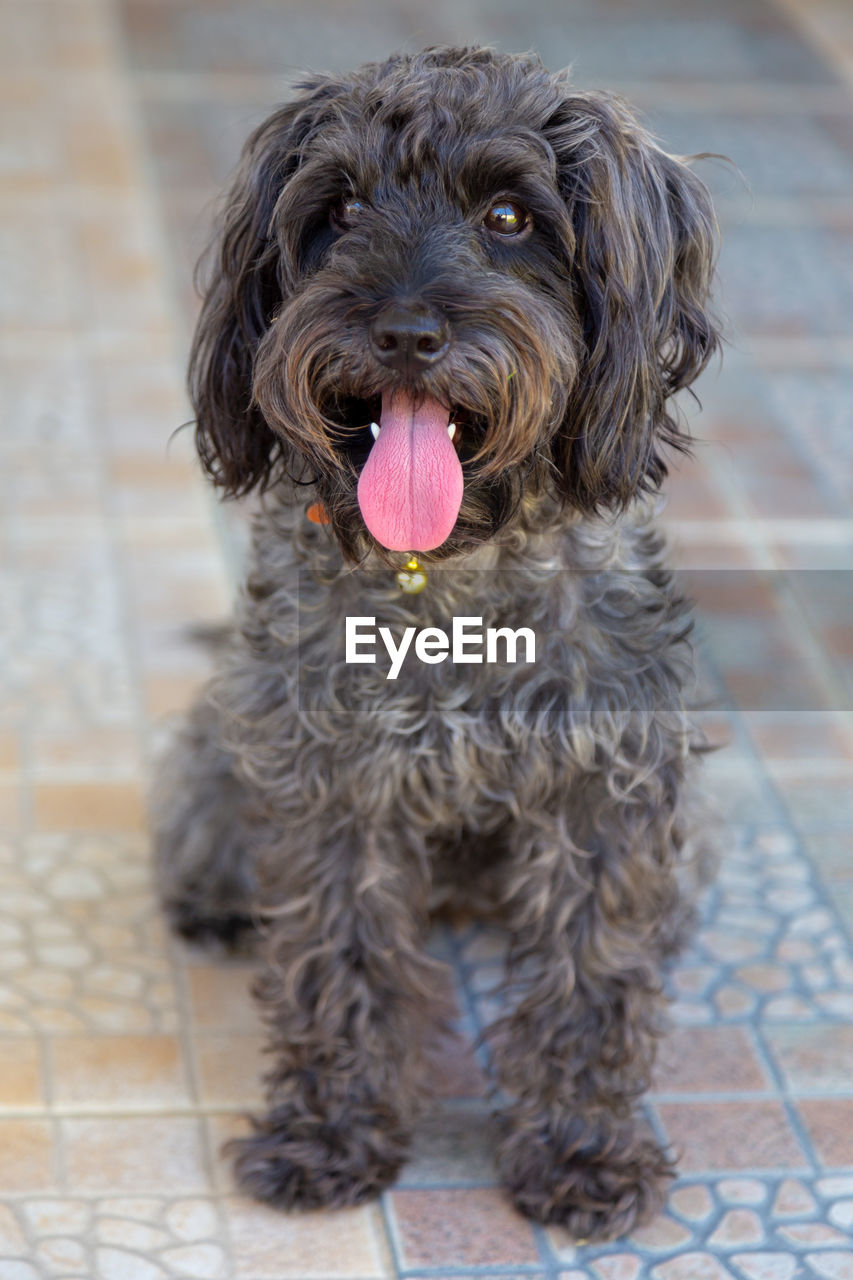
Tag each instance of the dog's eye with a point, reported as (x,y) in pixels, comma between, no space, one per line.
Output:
(346,213)
(506,219)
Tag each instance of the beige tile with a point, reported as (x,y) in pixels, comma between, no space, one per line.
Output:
(88,806)
(221,1129)
(220,997)
(31,155)
(266,1243)
(21,1075)
(141,402)
(140,471)
(134,1154)
(11,802)
(9,751)
(115,258)
(165,693)
(26,1155)
(37,247)
(100,748)
(229,1069)
(168,599)
(119,1071)
(96,148)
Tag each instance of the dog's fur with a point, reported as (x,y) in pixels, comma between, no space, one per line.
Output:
(338,808)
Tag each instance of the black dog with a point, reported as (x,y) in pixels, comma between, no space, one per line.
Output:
(454,297)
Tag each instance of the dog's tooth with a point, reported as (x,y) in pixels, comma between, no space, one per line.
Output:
(451,430)
(374,430)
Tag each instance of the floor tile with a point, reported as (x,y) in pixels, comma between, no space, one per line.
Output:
(118,1072)
(220,997)
(454,1144)
(26,1155)
(814,1058)
(732,1135)
(830,1126)
(131,1154)
(461,1227)
(22,1076)
(229,1069)
(708,1060)
(88,806)
(348,1242)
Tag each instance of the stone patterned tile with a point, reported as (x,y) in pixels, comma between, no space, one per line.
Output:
(761,1229)
(85,948)
(134,1238)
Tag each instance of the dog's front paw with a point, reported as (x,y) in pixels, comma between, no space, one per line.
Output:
(218,932)
(305,1161)
(599,1187)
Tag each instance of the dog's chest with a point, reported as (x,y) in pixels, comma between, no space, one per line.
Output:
(464,681)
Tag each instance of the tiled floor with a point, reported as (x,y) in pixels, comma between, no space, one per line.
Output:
(125,1059)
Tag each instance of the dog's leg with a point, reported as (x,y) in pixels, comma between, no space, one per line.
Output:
(576,1051)
(202,835)
(348,993)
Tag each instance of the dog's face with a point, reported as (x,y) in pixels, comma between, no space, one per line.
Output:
(443,281)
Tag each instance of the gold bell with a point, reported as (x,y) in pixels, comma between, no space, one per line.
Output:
(411,578)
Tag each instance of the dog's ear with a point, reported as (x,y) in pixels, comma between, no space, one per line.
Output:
(244,290)
(642,256)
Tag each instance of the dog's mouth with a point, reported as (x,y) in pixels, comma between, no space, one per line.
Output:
(407,449)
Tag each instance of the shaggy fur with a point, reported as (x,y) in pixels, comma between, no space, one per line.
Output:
(338,809)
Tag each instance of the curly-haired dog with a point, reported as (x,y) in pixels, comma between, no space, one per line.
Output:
(509,279)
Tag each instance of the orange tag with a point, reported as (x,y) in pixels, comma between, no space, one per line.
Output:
(317,514)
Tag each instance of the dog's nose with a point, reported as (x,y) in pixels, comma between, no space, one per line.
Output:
(408,338)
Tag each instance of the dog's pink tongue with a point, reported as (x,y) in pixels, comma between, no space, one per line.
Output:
(410,489)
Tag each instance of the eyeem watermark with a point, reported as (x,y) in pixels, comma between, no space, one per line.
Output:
(466,643)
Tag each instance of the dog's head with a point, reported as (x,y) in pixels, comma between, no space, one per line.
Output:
(507,278)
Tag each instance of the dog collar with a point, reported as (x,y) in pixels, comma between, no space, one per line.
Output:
(411,578)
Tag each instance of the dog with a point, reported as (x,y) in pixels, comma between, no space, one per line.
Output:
(448,306)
